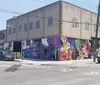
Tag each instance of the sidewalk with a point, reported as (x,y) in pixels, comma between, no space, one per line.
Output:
(71,62)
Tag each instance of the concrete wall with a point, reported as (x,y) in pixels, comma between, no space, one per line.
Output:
(84,16)
(93,26)
(11,24)
(70,12)
(33,17)
(2,36)
(22,34)
(85,28)
(42,15)
(51,11)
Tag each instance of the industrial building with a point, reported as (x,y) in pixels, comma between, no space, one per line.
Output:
(64,26)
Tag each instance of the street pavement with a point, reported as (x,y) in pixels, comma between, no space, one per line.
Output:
(74,73)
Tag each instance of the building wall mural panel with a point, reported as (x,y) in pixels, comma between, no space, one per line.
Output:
(75,49)
(59,49)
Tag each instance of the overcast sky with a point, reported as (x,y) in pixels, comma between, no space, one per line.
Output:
(23,6)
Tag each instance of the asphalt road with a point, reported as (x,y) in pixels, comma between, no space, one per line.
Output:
(16,73)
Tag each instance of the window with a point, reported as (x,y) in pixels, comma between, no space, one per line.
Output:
(87,25)
(25,27)
(20,28)
(50,21)
(10,31)
(37,24)
(14,30)
(74,22)
(31,25)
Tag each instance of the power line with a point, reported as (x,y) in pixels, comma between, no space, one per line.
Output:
(14,12)
(50,0)
(9,11)
(85,2)
(40,1)
(62,20)
(47,1)
(80,3)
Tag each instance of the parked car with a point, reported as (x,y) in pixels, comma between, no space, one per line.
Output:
(4,55)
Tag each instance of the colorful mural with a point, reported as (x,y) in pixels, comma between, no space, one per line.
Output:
(59,49)
(75,49)
(35,50)
(39,50)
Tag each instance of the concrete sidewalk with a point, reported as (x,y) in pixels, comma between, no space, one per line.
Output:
(71,62)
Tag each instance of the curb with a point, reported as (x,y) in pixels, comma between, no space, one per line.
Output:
(54,63)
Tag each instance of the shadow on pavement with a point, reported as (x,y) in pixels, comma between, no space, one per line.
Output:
(12,68)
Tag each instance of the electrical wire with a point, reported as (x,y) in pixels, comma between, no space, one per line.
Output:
(85,2)
(58,20)
(14,12)
(41,1)
(9,11)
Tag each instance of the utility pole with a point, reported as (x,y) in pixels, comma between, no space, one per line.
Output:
(96,35)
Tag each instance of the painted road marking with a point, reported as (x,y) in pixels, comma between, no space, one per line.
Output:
(91,73)
(67,70)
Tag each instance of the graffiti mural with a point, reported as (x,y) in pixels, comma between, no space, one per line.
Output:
(35,50)
(56,48)
(74,49)
(46,49)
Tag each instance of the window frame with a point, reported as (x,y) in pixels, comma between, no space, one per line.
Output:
(14,30)
(50,21)
(75,24)
(37,24)
(31,25)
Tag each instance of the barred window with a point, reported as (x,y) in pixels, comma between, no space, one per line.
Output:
(75,23)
